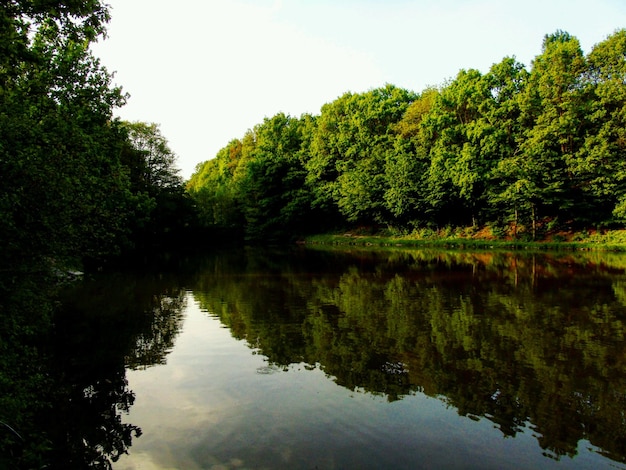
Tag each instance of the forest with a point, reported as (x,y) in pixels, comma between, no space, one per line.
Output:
(518,150)
(78,185)
(79,189)
(521,151)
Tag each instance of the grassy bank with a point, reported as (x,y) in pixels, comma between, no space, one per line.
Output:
(461,238)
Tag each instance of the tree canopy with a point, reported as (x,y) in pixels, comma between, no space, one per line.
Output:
(512,147)
(75,180)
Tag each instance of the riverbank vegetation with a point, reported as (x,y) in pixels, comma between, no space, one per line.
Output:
(529,153)
(77,184)
(473,237)
(79,188)
(525,154)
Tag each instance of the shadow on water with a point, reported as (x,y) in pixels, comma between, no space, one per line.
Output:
(524,340)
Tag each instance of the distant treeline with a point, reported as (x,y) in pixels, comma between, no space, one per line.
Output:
(515,149)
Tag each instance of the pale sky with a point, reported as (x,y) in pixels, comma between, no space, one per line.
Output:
(208,70)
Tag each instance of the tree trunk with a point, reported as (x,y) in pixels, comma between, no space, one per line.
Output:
(534,221)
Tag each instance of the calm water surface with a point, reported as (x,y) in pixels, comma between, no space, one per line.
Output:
(397,359)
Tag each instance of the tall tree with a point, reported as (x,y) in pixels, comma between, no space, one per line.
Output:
(151,165)
(64,192)
(406,166)
(349,150)
(274,200)
(551,114)
(460,161)
(506,82)
(154,167)
(214,189)
(599,166)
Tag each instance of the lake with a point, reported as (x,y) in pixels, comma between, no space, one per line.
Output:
(336,359)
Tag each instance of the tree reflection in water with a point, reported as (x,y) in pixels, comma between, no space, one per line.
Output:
(67,399)
(522,340)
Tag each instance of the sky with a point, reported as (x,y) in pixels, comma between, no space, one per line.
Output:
(207,71)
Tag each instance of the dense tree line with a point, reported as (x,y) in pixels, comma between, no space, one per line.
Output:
(76,183)
(513,148)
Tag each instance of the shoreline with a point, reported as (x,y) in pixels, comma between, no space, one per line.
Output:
(609,240)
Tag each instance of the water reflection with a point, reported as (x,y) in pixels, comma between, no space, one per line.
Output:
(63,375)
(107,324)
(518,341)
(521,340)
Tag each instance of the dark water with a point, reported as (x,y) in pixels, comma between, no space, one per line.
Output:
(332,360)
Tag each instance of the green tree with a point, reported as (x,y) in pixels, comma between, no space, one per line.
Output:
(407,165)
(258,183)
(460,163)
(213,190)
(598,166)
(506,82)
(167,211)
(275,202)
(154,168)
(65,192)
(551,114)
(510,146)
(354,136)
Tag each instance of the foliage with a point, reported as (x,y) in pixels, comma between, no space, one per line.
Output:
(168,212)
(154,166)
(517,148)
(258,181)
(78,186)
(56,139)
(71,189)
(349,150)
